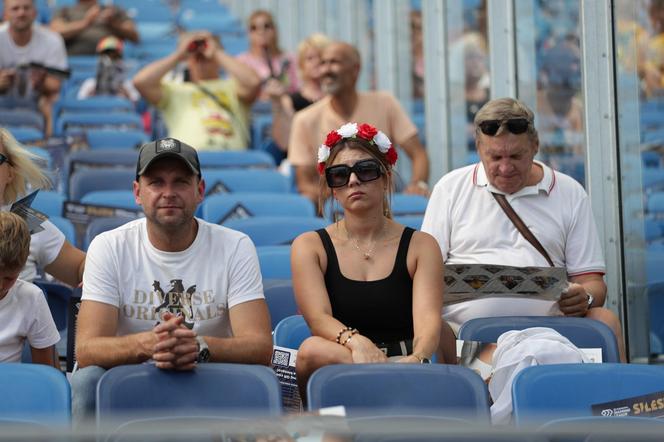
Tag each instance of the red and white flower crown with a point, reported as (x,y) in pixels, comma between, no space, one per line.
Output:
(351,131)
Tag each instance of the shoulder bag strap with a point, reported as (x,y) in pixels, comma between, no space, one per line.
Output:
(230,112)
(521,226)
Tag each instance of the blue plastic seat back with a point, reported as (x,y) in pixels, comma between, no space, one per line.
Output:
(143,390)
(102,103)
(407,204)
(235,159)
(272,230)
(400,389)
(22,118)
(123,199)
(655,204)
(80,122)
(113,139)
(100,225)
(603,428)
(35,393)
(545,392)
(84,181)
(26,134)
(224,206)
(582,332)
(49,202)
(245,180)
(65,226)
(57,296)
(412,221)
(280,300)
(291,331)
(274,262)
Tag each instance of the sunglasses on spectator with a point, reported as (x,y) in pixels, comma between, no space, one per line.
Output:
(365,170)
(265,27)
(3,159)
(514,125)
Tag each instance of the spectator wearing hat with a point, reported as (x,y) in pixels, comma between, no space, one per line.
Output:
(110,78)
(27,49)
(83,24)
(168,288)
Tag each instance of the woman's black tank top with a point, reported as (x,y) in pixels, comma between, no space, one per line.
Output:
(381,310)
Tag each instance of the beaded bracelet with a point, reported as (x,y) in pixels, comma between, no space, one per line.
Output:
(352,333)
(343,330)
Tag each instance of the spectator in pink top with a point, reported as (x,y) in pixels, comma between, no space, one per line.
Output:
(264,46)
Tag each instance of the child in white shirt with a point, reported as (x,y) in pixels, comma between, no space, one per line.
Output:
(24,313)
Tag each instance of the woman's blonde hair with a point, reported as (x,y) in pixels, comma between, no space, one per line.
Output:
(14,241)
(316,41)
(24,164)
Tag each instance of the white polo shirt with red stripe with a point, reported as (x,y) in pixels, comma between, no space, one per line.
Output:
(471,228)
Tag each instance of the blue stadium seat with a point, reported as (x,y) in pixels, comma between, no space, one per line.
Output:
(653,228)
(34,393)
(82,62)
(235,159)
(274,262)
(603,428)
(113,139)
(65,226)
(26,134)
(407,204)
(412,221)
(245,180)
(57,297)
(272,231)
(222,206)
(49,202)
(652,178)
(546,392)
(103,103)
(100,225)
(291,331)
(280,300)
(433,390)
(84,181)
(656,307)
(123,199)
(22,118)
(651,159)
(582,332)
(655,204)
(81,122)
(214,389)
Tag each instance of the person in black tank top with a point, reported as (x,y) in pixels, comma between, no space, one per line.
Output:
(368,288)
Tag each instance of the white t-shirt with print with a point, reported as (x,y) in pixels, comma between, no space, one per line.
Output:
(218,271)
(24,314)
(471,228)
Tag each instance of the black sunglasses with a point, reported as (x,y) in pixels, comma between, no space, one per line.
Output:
(3,159)
(365,170)
(265,27)
(515,125)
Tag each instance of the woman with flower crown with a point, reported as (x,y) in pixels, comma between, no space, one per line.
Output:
(369,288)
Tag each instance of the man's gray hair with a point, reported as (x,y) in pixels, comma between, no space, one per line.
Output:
(505,109)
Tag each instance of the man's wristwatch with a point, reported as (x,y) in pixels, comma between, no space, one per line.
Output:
(423,359)
(203,350)
(591,299)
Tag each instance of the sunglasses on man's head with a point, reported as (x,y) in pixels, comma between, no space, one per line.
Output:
(3,159)
(514,125)
(265,27)
(365,170)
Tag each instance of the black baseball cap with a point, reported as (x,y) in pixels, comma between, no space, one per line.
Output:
(167,147)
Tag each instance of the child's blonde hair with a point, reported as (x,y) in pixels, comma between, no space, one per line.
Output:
(14,241)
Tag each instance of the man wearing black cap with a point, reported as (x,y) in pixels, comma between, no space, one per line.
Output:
(169,288)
